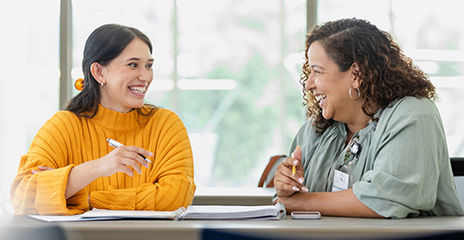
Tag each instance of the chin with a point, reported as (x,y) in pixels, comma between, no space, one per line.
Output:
(326,116)
(137,104)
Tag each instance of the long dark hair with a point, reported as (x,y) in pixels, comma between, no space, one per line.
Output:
(103,45)
(386,73)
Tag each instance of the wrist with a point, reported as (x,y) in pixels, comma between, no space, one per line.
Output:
(93,169)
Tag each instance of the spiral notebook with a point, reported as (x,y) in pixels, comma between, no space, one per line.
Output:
(196,212)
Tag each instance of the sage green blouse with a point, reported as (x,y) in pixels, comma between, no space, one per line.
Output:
(403,168)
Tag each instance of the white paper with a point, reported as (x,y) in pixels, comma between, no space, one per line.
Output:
(103,214)
(127,214)
(233,212)
(62,218)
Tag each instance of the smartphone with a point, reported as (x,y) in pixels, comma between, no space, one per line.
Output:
(306,215)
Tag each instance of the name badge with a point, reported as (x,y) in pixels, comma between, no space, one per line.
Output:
(340,181)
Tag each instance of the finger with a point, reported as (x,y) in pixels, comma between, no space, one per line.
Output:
(127,171)
(43,168)
(136,157)
(288,162)
(140,150)
(35,171)
(133,163)
(293,179)
(297,153)
(287,185)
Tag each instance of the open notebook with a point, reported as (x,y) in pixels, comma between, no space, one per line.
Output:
(213,212)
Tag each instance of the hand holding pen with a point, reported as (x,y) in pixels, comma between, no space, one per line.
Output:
(116,144)
(289,177)
(122,159)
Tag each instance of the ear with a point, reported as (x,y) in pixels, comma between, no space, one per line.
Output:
(356,75)
(97,72)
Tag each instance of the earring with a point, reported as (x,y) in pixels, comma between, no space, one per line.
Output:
(359,94)
(101,84)
(79,84)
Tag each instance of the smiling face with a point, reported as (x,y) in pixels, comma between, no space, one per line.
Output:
(330,86)
(126,78)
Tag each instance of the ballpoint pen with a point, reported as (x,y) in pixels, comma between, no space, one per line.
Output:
(116,144)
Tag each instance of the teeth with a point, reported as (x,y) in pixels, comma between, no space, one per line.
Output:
(320,97)
(138,89)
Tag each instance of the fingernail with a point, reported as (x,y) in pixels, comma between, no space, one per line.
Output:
(295,189)
(34,171)
(305,189)
(150,154)
(301,180)
(293,155)
(295,162)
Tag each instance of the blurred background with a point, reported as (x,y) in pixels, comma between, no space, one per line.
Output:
(229,68)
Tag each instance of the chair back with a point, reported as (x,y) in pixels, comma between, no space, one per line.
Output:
(267,177)
(457,165)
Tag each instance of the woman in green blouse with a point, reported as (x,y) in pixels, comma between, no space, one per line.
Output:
(374,145)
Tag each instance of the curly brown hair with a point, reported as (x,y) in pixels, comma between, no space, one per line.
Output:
(386,73)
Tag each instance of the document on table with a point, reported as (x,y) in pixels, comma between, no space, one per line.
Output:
(214,212)
(104,214)
(205,212)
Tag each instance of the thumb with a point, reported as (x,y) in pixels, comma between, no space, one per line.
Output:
(297,153)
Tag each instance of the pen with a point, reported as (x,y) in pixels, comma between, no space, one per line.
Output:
(293,170)
(116,144)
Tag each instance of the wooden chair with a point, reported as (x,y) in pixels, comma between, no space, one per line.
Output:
(266,179)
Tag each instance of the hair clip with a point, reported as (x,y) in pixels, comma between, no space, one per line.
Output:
(79,84)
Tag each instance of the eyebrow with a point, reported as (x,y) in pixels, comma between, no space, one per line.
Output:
(137,59)
(315,65)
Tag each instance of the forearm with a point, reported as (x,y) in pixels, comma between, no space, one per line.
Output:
(79,177)
(343,203)
(167,194)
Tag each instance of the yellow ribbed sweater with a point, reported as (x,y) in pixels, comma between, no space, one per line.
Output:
(66,141)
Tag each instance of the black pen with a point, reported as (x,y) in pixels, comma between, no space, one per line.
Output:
(116,144)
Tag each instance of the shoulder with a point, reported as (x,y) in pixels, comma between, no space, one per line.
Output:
(166,119)
(411,113)
(166,115)
(57,128)
(62,119)
(411,106)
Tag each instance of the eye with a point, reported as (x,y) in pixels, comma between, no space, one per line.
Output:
(150,65)
(316,72)
(133,65)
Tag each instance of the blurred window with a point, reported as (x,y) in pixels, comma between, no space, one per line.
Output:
(29,80)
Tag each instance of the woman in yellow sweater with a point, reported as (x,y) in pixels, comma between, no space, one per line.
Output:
(70,166)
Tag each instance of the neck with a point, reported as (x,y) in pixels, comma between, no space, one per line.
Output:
(353,128)
(109,105)
(359,120)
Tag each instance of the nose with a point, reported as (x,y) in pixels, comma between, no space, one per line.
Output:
(309,84)
(145,74)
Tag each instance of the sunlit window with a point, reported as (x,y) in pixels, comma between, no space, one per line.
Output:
(29,80)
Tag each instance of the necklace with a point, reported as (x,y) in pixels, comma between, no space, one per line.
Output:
(352,152)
